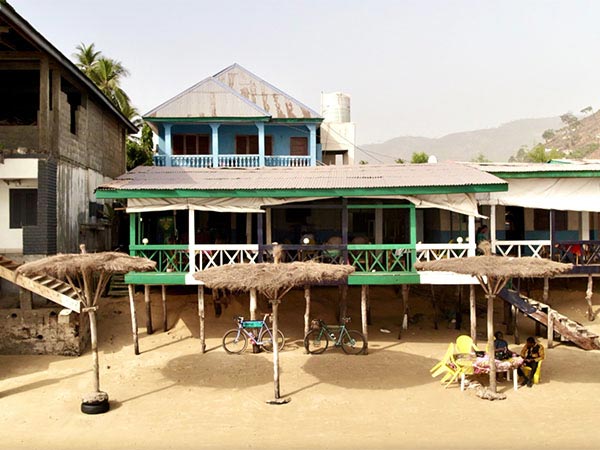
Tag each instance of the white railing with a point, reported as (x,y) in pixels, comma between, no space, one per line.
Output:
(434,252)
(211,255)
(537,249)
(191,161)
(287,161)
(238,160)
(160,160)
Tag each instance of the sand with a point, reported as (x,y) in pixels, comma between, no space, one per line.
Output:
(173,397)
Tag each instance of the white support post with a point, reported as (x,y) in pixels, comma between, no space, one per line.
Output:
(269,231)
(585,226)
(312,143)
(192,239)
(261,143)
(472,237)
(215,144)
(493,227)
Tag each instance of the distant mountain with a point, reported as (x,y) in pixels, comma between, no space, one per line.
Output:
(580,139)
(495,144)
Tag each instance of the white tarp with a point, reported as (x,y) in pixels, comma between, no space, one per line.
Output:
(563,194)
(460,203)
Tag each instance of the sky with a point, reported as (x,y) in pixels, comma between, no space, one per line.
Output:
(420,68)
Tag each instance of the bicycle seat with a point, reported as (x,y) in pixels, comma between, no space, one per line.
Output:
(346,319)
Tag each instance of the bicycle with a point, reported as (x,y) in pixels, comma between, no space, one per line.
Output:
(317,340)
(235,340)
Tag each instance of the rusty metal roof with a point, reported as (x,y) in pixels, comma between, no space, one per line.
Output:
(446,174)
(235,92)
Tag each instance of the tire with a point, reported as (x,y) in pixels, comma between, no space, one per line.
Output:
(316,342)
(353,342)
(235,341)
(95,408)
(267,344)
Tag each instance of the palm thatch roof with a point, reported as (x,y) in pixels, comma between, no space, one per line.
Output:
(272,280)
(497,266)
(71,265)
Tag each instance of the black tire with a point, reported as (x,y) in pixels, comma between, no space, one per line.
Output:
(267,343)
(316,342)
(353,342)
(96,407)
(235,341)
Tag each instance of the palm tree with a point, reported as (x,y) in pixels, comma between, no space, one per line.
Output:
(87,58)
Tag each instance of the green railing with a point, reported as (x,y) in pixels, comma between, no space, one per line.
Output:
(169,258)
(388,258)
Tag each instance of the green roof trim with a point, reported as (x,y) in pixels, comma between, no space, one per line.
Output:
(384,278)
(286,193)
(299,120)
(177,278)
(206,119)
(549,174)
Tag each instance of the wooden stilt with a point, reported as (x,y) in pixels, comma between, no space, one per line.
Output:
(473,313)
(306,312)
(516,325)
(275,304)
(369,321)
(435,309)
(134,326)
(588,297)
(490,336)
(546,290)
(405,292)
(164,305)
(149,328)
(342,302)
(550,328)
(458,315)
(201,316)
(363,314)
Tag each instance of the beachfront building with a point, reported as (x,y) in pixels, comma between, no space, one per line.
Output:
(60,137)
(235,119)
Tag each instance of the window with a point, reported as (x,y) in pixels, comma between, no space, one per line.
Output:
(298,146)
(248,145)
(191,144)
(23,207)
(541,220)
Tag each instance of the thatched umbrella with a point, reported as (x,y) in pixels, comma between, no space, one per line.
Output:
(88,274)
(493,272)
(273,281)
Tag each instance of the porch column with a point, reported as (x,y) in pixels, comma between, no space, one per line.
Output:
(585,226)
(248,228)
(192,239)
(493,228)
(261,143)
(379,226)
(215,144)
(269,231)
(552,233)
(312,143)
(259,235)
(133,219)
(168,147)
(345,229)
(472,237)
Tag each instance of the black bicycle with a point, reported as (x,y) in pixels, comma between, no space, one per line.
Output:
(317,340)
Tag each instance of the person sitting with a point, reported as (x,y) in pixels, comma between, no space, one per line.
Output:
(532,353)
(501,346)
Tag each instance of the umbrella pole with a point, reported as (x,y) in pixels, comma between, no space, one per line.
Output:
(134,325)
(277,400)
(490,344)
(363,313)
(473,313)
(201,316)
(149,328)
(306,312)
(94,338)
(164,305)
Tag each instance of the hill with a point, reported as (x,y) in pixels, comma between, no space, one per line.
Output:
(495,144)
(580,138)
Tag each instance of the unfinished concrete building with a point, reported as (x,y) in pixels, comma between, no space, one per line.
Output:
(60,137)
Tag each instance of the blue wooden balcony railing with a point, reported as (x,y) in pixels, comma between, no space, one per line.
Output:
(207,161)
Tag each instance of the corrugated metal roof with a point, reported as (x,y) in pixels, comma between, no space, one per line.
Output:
(295,178)
(558,166)
(235,92)
(209,98)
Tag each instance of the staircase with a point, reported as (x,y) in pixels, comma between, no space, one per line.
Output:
(568,329)
(45,286)
(117,286)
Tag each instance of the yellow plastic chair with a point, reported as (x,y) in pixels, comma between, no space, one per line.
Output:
(446,366)
(538,372)
(464,344)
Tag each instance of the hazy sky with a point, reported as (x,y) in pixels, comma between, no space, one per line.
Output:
(411,67)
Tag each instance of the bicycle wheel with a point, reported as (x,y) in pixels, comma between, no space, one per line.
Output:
(266,340)
(235,341)
(316,342)
(353,342)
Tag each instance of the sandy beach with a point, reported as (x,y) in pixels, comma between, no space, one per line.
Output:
(173,397)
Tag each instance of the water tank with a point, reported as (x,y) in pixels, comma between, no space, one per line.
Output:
(335,107)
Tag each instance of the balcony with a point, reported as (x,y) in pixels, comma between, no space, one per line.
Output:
(208,161)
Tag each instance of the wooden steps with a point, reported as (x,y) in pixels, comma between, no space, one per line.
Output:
(568,329)
(117,286)
(48,287)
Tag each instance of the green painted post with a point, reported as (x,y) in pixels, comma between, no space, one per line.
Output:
(132,233)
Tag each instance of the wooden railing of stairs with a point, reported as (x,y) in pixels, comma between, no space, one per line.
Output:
(568,329)
(50,288)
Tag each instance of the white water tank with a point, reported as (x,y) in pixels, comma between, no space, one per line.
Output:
(335,107)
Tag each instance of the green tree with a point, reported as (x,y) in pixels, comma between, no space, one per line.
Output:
(419,158)
(363,162)
(139,150)
(399,161)
(87,58)
(480,158)
(570,120)
(587,110)
(539,154)
(548,134)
